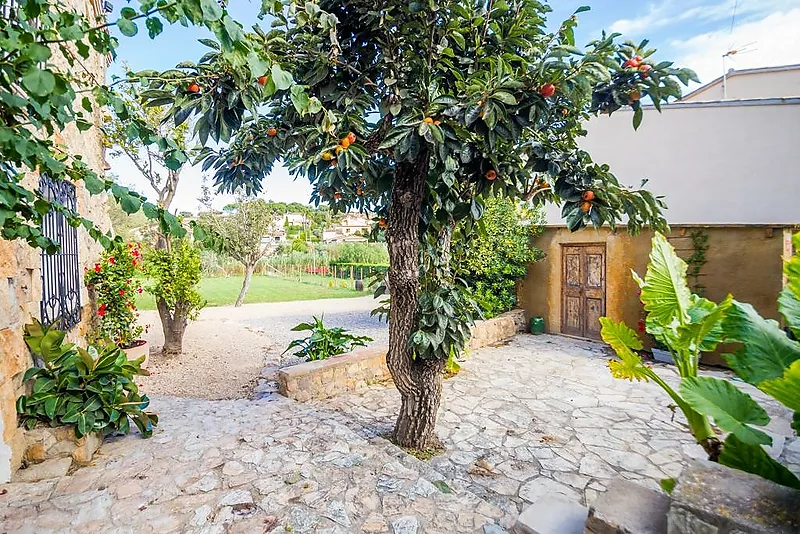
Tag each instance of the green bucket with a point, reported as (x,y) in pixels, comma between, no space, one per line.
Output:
(537,325)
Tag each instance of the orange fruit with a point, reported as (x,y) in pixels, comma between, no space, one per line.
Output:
(490,175)
(588,195)
(428,120)
(193,88)
(437,123)
(351,137)
(339,149)
(382,223)
(327,156)
(272,132)
(262,80)
(586,206)
(345,142)
(547,90)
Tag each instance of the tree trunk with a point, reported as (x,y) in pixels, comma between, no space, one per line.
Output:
(174,326)
(419,382)
(248,274)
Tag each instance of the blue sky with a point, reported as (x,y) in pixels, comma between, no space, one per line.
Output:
(693,33)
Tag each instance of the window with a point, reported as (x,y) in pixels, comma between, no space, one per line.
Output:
(61,279)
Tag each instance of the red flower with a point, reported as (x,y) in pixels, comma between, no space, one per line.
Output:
(85,269)
(102,311)
(112,260)
(133,262)
(130,245)
(97,267)
(136,253)
(121,292)
(640,324)
(139,290)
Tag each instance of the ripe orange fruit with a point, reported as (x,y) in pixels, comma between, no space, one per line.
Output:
(633,63)
(359,191)
(586,206)
(565,112)
(193,88)
(382,223)
(437,123)
(547,90)
(490,175)
(345,142)
(327,156)
(351,137)
(339,149)
(262,80)
(635,95)
(588,195)
(272,132)
(428,120)
(645,70)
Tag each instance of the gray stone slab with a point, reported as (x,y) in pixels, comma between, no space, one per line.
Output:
(552,514)
(711,498)
(628,508)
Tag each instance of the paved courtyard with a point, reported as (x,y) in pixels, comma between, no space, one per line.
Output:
(535,416)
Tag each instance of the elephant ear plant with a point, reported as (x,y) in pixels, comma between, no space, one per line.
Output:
(690,325)
(92,388)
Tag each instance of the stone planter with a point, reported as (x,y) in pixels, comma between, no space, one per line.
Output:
(137,351)
(52,452)
(661,355)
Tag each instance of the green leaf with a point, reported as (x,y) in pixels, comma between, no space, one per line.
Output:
(732,409)
(211,10)
(665,294)
(754,459)
(767,350)
(638,115)
(667,484)
(442,486)
(127,27)
(789,307)
(39,82)
(154,27)
(785,389)
(281,78)
(619,335)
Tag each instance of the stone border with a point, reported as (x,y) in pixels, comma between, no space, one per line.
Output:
(356,370)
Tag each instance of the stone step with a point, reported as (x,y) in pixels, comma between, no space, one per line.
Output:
(552,514)
(628,508)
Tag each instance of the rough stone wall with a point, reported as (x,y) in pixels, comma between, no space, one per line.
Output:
(20,275)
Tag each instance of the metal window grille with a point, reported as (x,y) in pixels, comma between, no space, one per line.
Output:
(61,278)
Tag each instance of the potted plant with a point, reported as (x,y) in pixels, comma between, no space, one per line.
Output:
(113,285)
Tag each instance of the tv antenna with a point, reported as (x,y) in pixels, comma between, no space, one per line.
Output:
(729,55)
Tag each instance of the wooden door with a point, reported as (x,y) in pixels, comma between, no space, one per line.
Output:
(583,290)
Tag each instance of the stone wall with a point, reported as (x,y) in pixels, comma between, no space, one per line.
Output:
(356,370)
(20,276)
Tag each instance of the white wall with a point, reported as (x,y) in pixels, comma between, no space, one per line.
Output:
(778,83)
(716,164)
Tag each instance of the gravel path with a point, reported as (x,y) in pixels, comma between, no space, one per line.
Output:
(232,353)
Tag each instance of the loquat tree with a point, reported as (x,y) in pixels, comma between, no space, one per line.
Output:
(416,112)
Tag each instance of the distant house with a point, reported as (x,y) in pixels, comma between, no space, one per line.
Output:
(352,228)
(729,169)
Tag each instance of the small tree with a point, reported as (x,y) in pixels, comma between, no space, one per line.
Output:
(175,272)
(241,235)
(416,112)
(495,257)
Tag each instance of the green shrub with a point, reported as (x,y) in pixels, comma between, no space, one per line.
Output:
(92,389)
(113,284)
(492,260)
(324,342)
(361,253)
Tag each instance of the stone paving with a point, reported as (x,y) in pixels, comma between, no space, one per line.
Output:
(538,415)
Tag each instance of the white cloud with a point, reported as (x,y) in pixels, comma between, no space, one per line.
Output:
(775,41)
(671,12)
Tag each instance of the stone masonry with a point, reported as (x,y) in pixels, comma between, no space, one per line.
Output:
(20,274)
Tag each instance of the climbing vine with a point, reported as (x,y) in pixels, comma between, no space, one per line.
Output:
(696,261)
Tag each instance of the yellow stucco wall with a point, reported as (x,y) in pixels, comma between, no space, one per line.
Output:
(745,261)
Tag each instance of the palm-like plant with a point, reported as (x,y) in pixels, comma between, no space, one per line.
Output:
(690,325)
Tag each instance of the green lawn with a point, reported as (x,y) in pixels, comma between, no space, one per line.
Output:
(223,291)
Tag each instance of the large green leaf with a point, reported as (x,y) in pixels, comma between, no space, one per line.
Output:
(619,335)
(704,332)
(665,294)
(789,306)
(732,409)
(785,389)
(754,459)
(767,350)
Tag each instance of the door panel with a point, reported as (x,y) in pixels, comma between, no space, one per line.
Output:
(583,290)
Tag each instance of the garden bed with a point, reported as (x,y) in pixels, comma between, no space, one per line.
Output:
(356,370)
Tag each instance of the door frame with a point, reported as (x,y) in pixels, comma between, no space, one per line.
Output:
(583,331)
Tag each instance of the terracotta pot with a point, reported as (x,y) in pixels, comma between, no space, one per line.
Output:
(139,349)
